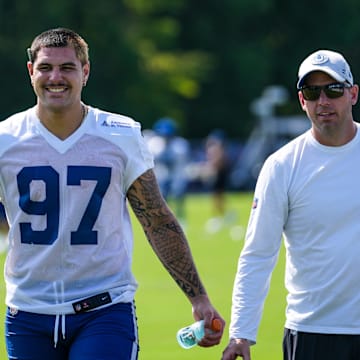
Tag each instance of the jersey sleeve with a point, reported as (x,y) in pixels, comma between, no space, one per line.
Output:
(140,160)
(126,134)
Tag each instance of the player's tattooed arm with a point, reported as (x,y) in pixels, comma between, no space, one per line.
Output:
(164,233)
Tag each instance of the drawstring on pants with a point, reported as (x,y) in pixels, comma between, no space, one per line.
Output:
(56,328)
(57,317)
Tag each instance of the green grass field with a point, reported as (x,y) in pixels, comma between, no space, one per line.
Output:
(162,308)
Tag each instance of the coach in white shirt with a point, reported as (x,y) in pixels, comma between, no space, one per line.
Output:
(309,193)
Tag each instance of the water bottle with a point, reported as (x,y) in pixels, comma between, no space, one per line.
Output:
(189,336)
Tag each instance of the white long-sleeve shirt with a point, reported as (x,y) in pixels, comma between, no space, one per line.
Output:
(309,194)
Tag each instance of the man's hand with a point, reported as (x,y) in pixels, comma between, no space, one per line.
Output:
(237,348)
(203,309)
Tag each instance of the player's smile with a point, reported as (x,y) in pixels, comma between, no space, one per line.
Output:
(56,89)
(55,94)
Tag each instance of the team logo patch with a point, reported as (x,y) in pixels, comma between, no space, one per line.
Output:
(77,308)
(114,122)
(255,203)
(319,59)
(13,311)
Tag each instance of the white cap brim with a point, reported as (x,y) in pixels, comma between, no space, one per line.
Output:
(324,69)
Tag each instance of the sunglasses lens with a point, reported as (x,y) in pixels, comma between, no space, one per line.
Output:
(332,91)
(311,93)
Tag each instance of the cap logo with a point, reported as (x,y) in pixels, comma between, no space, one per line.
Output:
(319,59)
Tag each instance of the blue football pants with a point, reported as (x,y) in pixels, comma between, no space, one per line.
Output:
(105,334)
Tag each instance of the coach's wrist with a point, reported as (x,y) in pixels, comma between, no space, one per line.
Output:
(242,341)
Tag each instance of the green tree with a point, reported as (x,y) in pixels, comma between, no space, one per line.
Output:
(202,63)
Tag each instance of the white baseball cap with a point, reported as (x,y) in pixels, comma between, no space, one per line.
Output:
(329,62)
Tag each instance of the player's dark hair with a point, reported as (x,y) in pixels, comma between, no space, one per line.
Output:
(59,37)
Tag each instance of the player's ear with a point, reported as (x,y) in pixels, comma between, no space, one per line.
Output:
(86,73)
(301,100)
(354,91)
(30,68)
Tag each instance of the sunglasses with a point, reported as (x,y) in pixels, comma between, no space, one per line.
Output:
(332,91)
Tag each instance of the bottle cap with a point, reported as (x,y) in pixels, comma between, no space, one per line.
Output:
(216,325)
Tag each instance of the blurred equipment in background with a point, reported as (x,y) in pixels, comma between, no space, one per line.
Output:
(270,133)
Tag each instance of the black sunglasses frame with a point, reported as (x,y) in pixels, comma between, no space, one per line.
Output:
(332,91)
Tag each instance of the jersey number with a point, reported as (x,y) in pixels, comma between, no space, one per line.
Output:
(50,206)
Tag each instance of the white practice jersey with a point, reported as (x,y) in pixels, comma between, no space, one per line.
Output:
(71,235)
(309,194)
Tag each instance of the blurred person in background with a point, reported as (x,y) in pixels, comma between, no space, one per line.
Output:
(215,173)
(308,194)
(171,156)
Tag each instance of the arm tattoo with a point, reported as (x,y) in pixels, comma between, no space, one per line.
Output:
(164,233)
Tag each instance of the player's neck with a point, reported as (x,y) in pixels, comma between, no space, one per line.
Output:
(62,123)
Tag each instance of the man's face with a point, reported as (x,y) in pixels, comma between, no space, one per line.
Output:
(331,117)
(58,76)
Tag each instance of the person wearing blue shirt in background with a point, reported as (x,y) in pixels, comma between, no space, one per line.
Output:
(171,157)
